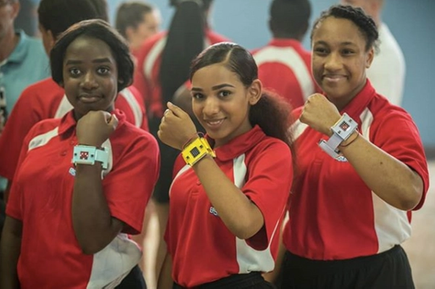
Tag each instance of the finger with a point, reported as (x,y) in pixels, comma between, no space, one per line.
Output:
(177,111)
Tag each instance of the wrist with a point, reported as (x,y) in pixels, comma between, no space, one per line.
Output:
(196,150)
(89,155)
(191,139)
(350,140)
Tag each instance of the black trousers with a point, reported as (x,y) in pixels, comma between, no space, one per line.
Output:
(387,270)
(134,280)
(252,280)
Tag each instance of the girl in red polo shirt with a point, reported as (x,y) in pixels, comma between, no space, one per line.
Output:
(82,181)
(230,188)
(361,169)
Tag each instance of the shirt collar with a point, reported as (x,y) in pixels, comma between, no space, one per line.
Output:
(357,105)
(285,42)
(240,144)
(68,121)
(19,52)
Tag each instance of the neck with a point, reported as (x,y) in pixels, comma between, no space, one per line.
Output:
(8,44)
(287,36)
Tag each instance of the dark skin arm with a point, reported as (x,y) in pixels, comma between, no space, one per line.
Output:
(93,224)
(9,252)
(8,189)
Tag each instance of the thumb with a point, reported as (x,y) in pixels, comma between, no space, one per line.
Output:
(113,121)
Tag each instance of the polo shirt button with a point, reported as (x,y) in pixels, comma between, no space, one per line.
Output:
(198,183)
(63,153)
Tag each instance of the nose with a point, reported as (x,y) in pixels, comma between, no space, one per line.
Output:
(89,81)
(333,62)
(211,106)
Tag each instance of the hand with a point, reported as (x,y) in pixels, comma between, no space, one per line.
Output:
(176,127)
(320,114)
(95,127)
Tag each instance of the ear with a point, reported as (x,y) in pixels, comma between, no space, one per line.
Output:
(129,33)
(15,9)
(370,57)
(254,91)
(51,39)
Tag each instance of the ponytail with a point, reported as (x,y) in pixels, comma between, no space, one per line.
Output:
(185,40)
(273,114)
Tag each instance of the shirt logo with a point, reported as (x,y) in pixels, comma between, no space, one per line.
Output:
(72,172)
(213,211)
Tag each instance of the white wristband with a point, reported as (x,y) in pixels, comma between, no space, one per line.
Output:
(88,155)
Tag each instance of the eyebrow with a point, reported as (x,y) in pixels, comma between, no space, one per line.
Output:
(342,43)
(216,87)
(98,60)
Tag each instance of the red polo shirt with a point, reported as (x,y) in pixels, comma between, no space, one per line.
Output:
(41,197)
(284,67)
(46,99)
(201,246)
(333,214)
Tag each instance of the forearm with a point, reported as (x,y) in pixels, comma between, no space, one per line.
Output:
(165,278)
(389,178)
(241,216)
(93,224)
(7,191)
(10,252)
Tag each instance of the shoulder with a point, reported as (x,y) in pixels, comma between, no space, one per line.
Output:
(45,86)
(151,43)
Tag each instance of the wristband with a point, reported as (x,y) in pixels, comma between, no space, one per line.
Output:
(197,150)
(88,155)
(341,131)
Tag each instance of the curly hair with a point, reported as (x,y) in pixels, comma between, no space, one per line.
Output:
(364,22)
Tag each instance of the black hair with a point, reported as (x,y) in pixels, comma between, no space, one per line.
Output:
(185,40)
(58,15)
(289,18)
(99,29)
(364,22)
(271,112)
(131,14)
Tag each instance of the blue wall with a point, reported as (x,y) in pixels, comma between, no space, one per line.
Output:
(245,22)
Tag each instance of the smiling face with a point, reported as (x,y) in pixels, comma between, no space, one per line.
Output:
(221,102)
(90,75)
(340,59)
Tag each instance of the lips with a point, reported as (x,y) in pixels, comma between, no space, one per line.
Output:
(89,98)
(215,123)
(333,77)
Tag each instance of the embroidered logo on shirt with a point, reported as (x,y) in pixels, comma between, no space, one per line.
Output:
(341,158)
(72,172)
(213,211)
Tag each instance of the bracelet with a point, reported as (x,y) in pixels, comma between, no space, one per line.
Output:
(88,155)
(350,142)
(197,150)
(196,135)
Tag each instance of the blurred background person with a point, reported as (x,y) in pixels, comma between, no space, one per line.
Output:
(22,62)
(137,21)
(284,65)
(387,73)
(163,68)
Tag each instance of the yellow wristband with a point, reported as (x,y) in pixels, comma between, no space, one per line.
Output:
(196,150)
